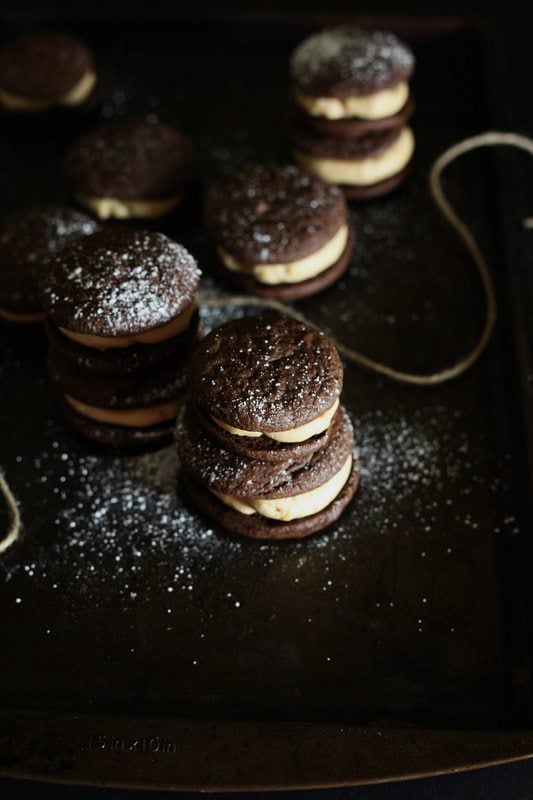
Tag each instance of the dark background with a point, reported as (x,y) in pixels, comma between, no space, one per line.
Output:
(511,24)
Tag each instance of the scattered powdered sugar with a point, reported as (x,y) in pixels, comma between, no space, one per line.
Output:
(371,60)
(131,513)
(115,510)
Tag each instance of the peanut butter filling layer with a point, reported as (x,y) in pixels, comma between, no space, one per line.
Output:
(168,331)
(294,271)
(286,509)
(299,434)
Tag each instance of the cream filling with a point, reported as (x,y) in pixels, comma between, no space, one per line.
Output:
(177,326)
(362,171)
(114,208)
(299,434)
(293,271)
(296,507)
(130,417)
(16,316)
(75,97)
(378,105)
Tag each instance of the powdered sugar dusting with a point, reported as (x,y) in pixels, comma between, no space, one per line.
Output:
(369,60)
(273,214)
(120,282)
(269,375)
(29,239)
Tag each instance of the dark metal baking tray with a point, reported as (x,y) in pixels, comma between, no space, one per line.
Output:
(140,645)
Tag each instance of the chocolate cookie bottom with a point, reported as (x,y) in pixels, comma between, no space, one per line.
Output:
(377,189)
(292,291)
(255,526)
(117,436)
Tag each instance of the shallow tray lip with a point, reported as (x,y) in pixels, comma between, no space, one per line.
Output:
(233,756)
(40,744)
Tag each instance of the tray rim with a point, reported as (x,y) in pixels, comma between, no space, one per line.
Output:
(37,745)
(67,749)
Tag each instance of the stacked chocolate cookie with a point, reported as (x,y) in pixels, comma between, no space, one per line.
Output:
(279,231)
(122,321)
(352,106)
(266,448)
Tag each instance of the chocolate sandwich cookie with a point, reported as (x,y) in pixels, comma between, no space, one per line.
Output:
(117,437)
(122,410)
(129,170)
(123,360)
(351,127)
(29,238)
(121,287)
(249,497)
(137,390)
(279,231)
(347,71)
(41,71)
(367,166)
(262,447)
(131,405)
(267,377)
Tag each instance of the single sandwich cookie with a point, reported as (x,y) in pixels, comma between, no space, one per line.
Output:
(123,360)
(262,447)
(367,164)
(138,400)
(41,71)
(247,496)
(121,287)
(351,127)
(267,377)
(279,231)
(347,71)
(127,170)
(29,239)
(119,437)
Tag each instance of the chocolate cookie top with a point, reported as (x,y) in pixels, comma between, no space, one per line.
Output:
(119,282)
(130,160)
(221,469)
(266,373)
(43,66)
(369,145)
(347,61)
(273,214)
(29,238)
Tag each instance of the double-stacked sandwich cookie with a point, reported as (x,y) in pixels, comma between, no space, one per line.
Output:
(126,170)
(266,448)
(279,231)
(122,320)
(352,106)
(44,71)
(29,238)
